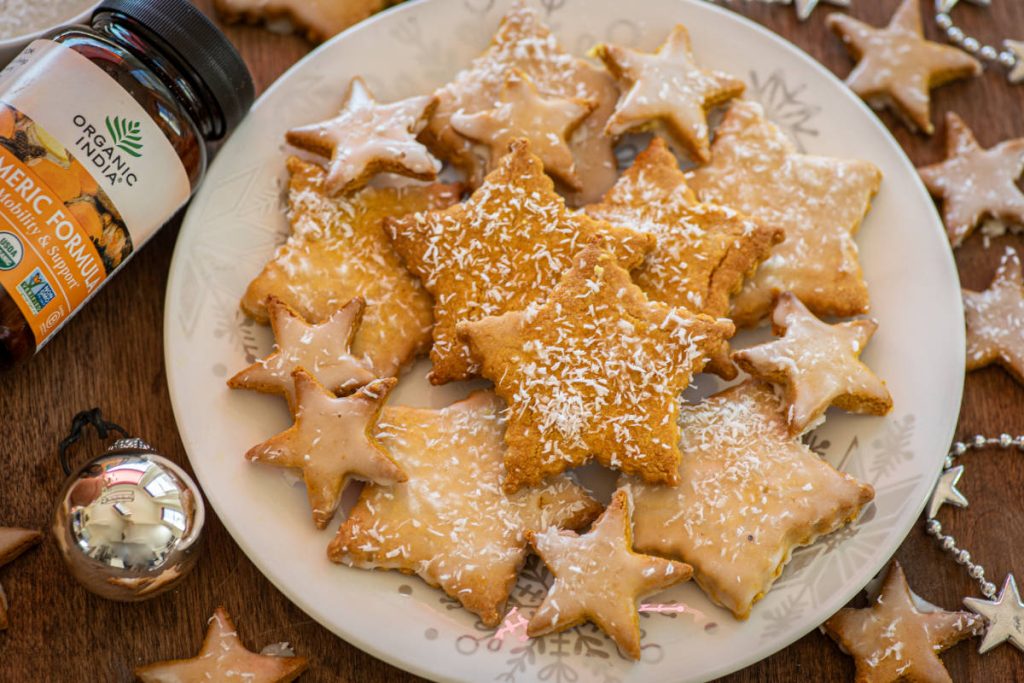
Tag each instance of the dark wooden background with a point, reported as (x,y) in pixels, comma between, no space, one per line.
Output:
(112,356)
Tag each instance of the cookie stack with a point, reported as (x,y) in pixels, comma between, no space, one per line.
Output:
(590,299)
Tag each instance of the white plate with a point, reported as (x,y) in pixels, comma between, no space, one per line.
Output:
(236,220)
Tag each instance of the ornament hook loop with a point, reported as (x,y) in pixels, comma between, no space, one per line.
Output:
(79,423)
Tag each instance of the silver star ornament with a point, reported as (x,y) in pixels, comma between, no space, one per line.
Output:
(1016,74)
(946,6)
(946,492)
(805,7)
(1005,617)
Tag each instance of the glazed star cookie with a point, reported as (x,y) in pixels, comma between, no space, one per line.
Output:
(523,42)
(318,20)
(500,251)
(818,364)
(450,523)
(598,577)
(667,87)
(224,658)
(897,67)
(995,319)
(323,350)
(976,183)
(522,111)
(338,251)
(703,251)
(819,202)
(332,441)
(595,371)
(368,138)
(900,636)
(749,494)
(13,542)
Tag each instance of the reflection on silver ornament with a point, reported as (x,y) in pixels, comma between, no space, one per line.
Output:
(129,523)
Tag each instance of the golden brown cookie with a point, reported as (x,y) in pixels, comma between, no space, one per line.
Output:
(897,67)
(703,251)
(595,371)
(523,42)
(368,138)
(451,524)
(318,20)
(818,365)
(338,251)
(667,87)
(323,350)
(818,202)
(995,319)
(598,577)
(224,658)
(749,494)
(13,542)
(976,183)
(332,441)
(500,251)
(899,637)
(522,111)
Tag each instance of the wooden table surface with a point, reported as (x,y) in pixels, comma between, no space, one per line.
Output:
(112,356)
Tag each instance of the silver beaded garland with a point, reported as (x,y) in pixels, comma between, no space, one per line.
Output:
(1009,56)
(946,492)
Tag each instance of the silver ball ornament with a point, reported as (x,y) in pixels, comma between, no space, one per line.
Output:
(129,523)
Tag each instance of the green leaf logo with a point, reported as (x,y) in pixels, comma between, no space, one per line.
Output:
(126,135)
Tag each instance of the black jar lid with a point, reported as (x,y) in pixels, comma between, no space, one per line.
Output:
(200,45)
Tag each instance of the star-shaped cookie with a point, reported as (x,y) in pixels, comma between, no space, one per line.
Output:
(995,319)
(818,202)
(899,637)
(818,364)
(897,67)
(749,494)
(976,183)
(523,42)
(323,350)
(224,658)
(500,251)
(703,251)
(595,371)
(332,441)
(598,577)
(450,523)
(13,542)
(667,87)
(522,111)
(338,251)
(368,138)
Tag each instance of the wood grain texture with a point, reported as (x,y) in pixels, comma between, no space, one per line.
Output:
(112,356)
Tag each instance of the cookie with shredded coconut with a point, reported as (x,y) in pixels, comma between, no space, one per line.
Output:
(818,365)
(332,441)
(337,251)
(749,494)
(995,319)
(323,350)
(595,371)
(523,42)
(500,251)
(451,523)
(818,201)
(667,87)
(599,578)
(899,637)
(703,251)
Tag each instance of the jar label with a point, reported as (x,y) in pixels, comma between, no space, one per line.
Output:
(86,176)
